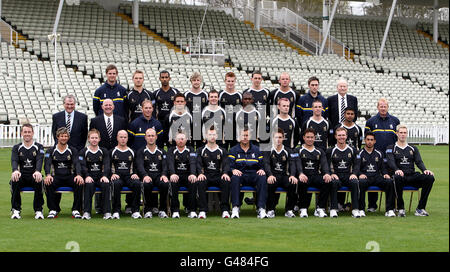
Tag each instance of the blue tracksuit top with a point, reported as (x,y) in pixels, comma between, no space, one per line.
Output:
(384,130)
(250,161)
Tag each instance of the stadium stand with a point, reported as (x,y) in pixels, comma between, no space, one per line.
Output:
(413,76)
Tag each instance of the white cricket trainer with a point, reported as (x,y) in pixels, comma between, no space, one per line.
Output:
(362,213)
(192,215)
(390,213)
(320,213)
(356,213)
(86,216)
(333,213)
(76,214)
(148,215)
(136,215)
(421,212)
(225,214)
(202,215)
(261,213)
(116,215)
(162,214)
(303,213)
(52,214)
(107,216)
(401,213)
(38,215)
(289,214)
(15,214)
(271,214)
(176,215)
(235,212)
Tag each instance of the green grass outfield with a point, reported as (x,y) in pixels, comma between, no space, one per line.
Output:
(247,234)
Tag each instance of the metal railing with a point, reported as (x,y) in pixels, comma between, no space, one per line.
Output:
(10,135)
(8,34)
(196,47)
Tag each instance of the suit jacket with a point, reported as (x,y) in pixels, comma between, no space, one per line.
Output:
(78,133)
(99,123)
(334,108)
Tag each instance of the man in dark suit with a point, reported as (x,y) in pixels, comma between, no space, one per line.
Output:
(74,121)
(108,124)
(338,103)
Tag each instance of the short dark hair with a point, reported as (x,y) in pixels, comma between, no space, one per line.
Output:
(313,78)
(28,125)
(369,133)
(257,72)
(317,100)
(279,130)
(111,67)
(179,95)
(350,109)
(309,130)
(164,72)
(213,91)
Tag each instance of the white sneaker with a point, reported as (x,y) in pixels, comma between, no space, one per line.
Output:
(116,215)
(148,215)
(52,214)
(76,214)
(356,213)
(261,213)
(162,214)
(333,213)
(225,214)
(289,213)
(235,212)
(371,210)
(362,213)
(86,216)
(271,214)
(401,213)
(320,213)
(176,215)
(38,215)
(421,212)
(202,215)
(390,213)
(303,213)
(107,216)
(192,215)
(15,214)
(136,215)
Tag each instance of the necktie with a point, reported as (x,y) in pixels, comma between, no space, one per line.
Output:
(342,109)
(68,122)
(109,128)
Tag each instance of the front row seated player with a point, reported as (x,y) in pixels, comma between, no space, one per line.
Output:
(26,162)
(153,172)
(313,170)
(342,161)
(124,174)
(280,168)
(213,170)
(95,168)
(181,161)
(247,166)
(62,168)
(371,171)
(401,158)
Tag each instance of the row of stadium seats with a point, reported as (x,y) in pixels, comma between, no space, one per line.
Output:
(365,36)
(443,30)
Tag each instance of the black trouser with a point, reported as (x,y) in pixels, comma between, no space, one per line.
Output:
(26,181)
(149,196)
(272,196)
(344,180)
(313,181)
(89,191)
(54,199)
(249,178)
(416,180)
(190,196)
(135,187)
(385,184)
(213,180)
